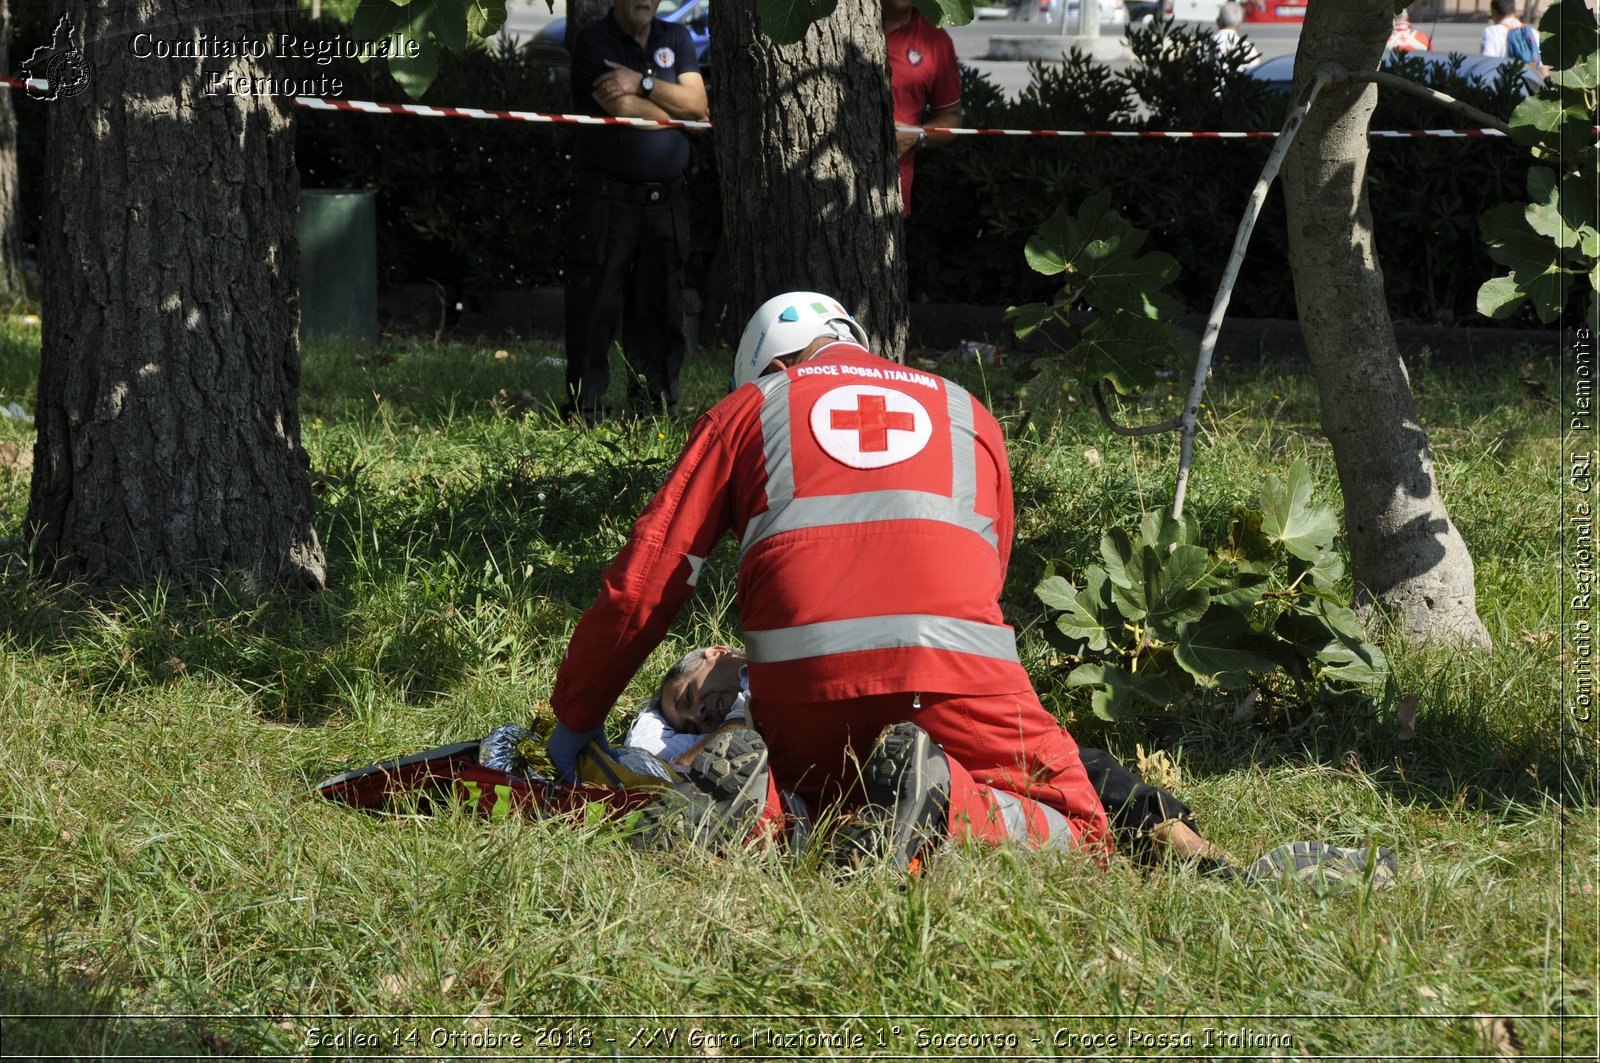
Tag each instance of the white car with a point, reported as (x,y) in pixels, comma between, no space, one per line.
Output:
(1112,12)
(1278,72)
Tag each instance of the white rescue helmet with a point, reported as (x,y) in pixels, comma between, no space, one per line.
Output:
(788,323)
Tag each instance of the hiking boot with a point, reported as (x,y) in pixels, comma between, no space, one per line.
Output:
(907,780)
(1324,864)
(719,800)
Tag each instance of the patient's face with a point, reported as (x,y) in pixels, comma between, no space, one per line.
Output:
(698,702)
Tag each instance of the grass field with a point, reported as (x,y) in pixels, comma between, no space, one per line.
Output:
(172,888)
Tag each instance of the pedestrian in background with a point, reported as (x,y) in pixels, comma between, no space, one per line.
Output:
(1402,38)
(927,85)
(629,228)
(1503,22)
(1230,17)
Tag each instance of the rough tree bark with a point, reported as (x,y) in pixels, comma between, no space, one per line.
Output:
(168,418)
(1406,554)
(582,12)
(806,166)
(11,279)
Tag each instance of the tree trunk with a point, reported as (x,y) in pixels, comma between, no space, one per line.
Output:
(580,13)
(1406,554)
(806,163)
(168,418)
(11,279)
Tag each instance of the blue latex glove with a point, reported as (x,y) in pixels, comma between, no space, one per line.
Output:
(564,747)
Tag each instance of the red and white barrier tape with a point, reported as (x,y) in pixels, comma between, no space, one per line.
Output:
(422,110)
(319,103)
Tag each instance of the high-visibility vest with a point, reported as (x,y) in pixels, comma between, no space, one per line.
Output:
(873,534)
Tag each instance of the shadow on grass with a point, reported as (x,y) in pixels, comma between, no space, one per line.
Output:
(299,660)
(514,511)
(430,580)
(62,1014)
(1457,760)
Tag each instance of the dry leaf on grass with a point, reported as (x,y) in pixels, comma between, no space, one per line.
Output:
(1158,769)
(15,457)
(397,986)
(394,985)
(1405,719)
(1536,387)
(1246,711)
(516,402)
(708,1045)
(1115,961)
(1092,456)
(478,1021)
(1122,957)
(1499,1035)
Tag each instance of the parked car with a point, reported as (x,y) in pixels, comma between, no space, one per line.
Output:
(1112,12)
(1278,72)
(695,14)
(1144,12)
(1275,11)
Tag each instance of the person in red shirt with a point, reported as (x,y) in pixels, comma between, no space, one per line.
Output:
(872,506)
(927,85)
(1402,38)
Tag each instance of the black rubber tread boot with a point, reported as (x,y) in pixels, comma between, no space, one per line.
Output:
(719,801)
(907,781)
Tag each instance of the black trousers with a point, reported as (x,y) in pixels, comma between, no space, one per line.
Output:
(628,245)
(1133,806)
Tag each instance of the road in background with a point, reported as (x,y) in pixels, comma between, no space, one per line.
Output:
(526,17)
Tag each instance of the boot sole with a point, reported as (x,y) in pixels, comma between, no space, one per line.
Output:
(907,781)
(718,802)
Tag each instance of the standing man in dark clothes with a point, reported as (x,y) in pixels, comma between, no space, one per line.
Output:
(629,237)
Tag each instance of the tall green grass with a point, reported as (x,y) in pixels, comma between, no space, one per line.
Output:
(173,884)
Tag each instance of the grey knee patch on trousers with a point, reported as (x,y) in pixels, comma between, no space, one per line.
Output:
(1014,816)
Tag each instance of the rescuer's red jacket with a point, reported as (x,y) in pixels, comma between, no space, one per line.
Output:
(872,505)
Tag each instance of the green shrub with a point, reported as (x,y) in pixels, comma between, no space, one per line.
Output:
(1165,613)
(1551,241)
(1190,194)
(480,204)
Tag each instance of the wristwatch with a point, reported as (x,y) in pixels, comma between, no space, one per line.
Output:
(647,85)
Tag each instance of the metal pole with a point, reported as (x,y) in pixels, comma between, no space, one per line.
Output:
(1088,18)
(1219,306)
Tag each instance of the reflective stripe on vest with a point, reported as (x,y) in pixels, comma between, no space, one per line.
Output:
(881,633)
(786,513)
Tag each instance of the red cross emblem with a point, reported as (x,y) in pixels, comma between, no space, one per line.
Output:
(874,421)
(867,426)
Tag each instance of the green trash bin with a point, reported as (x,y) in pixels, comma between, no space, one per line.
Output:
(339,264)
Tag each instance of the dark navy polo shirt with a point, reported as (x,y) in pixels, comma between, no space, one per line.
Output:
(618,152)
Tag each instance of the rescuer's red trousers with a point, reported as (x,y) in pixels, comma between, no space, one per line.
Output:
(994,742)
